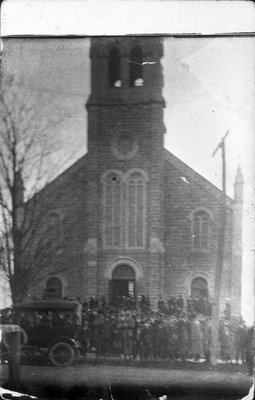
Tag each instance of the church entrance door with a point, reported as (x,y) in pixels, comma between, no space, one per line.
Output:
(123,286)
(199,288)
(199,294)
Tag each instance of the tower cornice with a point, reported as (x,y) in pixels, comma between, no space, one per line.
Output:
(106,104)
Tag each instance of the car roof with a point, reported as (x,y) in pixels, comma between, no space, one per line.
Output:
(47,305)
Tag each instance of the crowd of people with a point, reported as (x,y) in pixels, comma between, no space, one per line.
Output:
(136,332)
(174,306)
(176,331)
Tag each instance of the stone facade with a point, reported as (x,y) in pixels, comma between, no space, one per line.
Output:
(126,146)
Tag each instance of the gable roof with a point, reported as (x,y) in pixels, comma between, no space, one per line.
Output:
(194,176)
(63,177)
(184,169)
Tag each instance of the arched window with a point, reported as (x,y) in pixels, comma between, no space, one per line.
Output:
(136,66)
(54,288)
(199,288)
(114,72)
(136,211)
(112,206)
(200,230)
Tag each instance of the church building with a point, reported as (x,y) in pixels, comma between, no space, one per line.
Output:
(131,218)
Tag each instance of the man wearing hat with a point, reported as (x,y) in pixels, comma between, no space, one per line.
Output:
(128,335)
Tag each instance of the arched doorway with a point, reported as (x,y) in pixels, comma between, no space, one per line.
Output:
(199,288)
(200,296)
(122,285)
(54,288)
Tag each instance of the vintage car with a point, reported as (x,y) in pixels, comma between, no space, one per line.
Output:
(53,328)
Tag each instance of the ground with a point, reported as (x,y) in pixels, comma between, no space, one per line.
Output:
(100,380)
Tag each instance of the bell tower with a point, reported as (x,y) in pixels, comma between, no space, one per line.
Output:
(125,165)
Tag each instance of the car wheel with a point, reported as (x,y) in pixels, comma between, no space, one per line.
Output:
(62,354)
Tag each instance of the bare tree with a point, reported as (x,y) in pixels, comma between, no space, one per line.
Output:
(27,146)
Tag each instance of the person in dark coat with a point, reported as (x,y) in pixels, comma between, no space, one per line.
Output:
(203,305)
(99,334)
(116,343)
(25,322)
(182,338)
(6,317)
(209,308)
(91,303)
(56,320)
(161,305)
(148,304)
(103,302)
(180,305)
(137,352)
(45,320)
(147,340)
(66,319)
(120,325)
(240,343)
(172,338)
(86,336)
(199,305)
(226,338)
(143,304)
(196,305)
(159,339)
(190,306)
(172,306)
(107,346)
(207,338)
(250,348)
(188,327)
(128,335)
(196,338)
